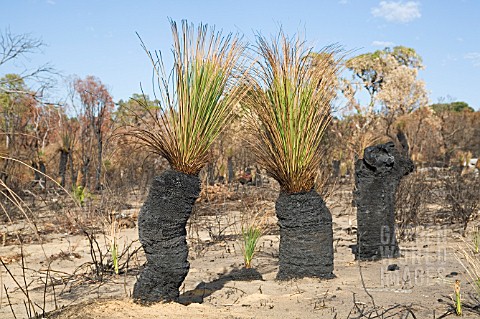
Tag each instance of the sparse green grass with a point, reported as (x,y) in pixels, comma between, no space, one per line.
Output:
(458,298)
(114,246)
(80,193)
(250,234)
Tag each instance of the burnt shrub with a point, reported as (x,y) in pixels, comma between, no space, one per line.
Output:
(462,195)
(410,204)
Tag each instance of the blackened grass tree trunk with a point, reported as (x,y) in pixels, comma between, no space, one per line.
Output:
(377,176)
(306,236)
(162,233)
(62,166)
(290,99)
(195,103)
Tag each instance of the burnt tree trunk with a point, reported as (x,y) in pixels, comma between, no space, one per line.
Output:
(98,171)
(377,176)
(231,174)
(336,168)
(85,172)
(73,171)
(36,172)
(162,233)
(210,174)
(62,167)
(43,175)
(306,236)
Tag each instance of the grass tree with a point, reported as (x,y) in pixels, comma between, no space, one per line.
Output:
(195,102)
(290,101)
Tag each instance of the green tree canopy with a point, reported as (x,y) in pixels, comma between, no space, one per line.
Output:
(458,106)
(132,111)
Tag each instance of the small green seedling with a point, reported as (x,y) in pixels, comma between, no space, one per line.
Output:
(114,247)
(458,299)
(251,235)
(115,255)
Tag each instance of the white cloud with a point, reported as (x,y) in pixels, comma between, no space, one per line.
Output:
(52,2)
(397,11)
(474,57)
(343,1)
(382,44)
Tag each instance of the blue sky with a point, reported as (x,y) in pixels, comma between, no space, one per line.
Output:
(98,37)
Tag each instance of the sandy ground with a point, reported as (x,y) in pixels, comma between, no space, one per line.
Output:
(421,283)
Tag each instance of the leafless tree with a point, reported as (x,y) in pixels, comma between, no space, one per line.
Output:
(14,48)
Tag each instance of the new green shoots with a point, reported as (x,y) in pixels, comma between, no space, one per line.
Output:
(80,193)
(114,247)
(250,234)
(458,300)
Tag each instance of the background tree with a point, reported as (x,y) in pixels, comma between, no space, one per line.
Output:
(16,119)
(26,116)
(374,69)
(19,46)
(401,93)
(134,111)
(390,76)
(96,108)
(67,137)
(423,128)
(458,106)
(126,171)
(45,119)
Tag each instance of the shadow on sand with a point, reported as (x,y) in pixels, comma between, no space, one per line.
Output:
(204,290)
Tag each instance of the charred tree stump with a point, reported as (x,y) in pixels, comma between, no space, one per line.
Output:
(306,236)
(62,168)
(377,176)
(162,233)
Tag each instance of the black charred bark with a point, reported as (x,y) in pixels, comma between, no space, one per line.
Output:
(98,171)
(306,237)
(162,233)
(62,167)
(86,172)
(43,175)
(377,176)
(336,168)
(73,170)
(231,174)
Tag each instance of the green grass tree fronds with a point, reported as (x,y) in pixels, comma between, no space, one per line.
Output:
(195,99)
(289,100)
